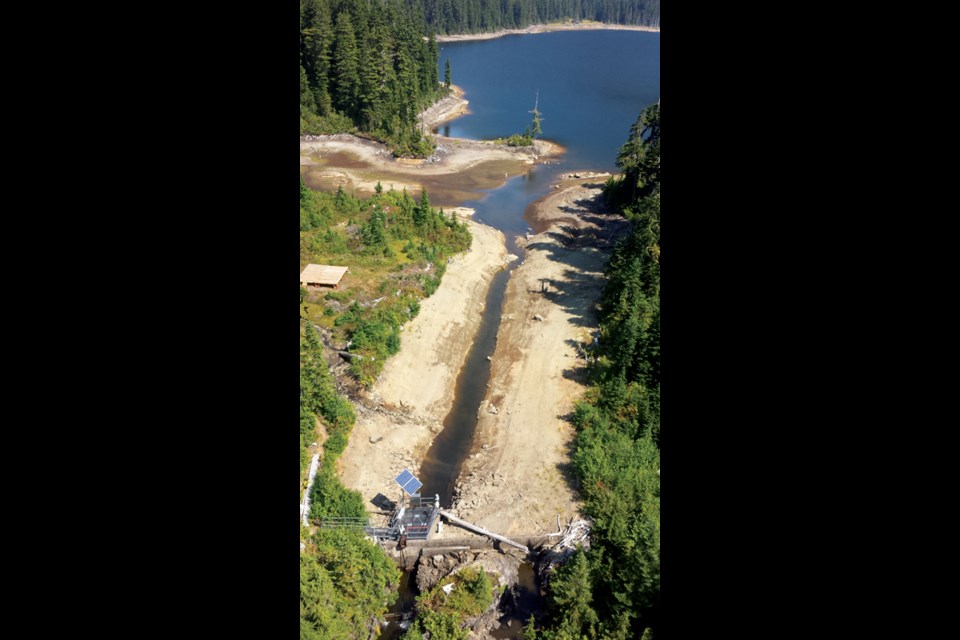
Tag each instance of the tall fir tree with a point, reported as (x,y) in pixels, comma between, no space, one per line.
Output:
(345,66)
(421,215)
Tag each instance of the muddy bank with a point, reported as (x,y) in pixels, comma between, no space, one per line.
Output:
(456,172)
(518,478)
(575,195)
(400,416)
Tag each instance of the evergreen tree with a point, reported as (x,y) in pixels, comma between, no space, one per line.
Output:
(374,232)
(429,62)
(617,454)
(472,16)
(307,100)
(446,74)
(374,66)
(535,129)
(345,66)
(639,157)
(421,215)
(316,37)
(571,591)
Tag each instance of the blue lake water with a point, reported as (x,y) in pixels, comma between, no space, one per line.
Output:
(592,86)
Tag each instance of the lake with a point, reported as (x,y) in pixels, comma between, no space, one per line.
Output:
(592,86)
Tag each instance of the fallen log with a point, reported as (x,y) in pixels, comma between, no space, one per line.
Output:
(463,523)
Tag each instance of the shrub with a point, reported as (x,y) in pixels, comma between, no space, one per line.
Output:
(335,445)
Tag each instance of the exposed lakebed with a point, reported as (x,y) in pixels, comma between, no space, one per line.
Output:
(588,106)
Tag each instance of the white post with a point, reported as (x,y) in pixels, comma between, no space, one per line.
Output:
(305,504)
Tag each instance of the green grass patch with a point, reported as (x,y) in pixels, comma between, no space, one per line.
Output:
(396,251)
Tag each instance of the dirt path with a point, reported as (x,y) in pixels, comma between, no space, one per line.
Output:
(415,391)
(518,479)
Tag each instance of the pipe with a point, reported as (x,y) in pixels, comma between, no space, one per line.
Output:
(463,523)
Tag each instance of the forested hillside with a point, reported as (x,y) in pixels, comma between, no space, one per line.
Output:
(613,590)
(365,64)
(370,66)
(397,250)
(477,16)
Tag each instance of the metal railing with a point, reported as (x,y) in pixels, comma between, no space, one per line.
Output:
(423,501)
(343,523)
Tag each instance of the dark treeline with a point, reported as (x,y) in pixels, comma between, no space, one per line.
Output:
(370,66)
(478,16)
(346,583)
(346,586)
(365,64)
(613,590)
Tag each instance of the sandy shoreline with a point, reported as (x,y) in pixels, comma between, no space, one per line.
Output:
(573,192)
(458,170)
(408,403)
(547,28)
(517,479)
(446,109)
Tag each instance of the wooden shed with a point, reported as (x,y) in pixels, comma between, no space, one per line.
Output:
(322,275)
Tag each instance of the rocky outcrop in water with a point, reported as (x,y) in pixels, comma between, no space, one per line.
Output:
(501,566)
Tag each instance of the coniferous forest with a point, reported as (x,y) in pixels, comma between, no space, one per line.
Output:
(370,66)
(613,590)
(366,65)
(479,16)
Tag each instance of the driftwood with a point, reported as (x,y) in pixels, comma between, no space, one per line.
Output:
(576,532)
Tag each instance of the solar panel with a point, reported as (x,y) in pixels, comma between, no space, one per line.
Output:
(408,482)
(404,477)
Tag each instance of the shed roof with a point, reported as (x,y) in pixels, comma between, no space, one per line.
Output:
(322,274)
